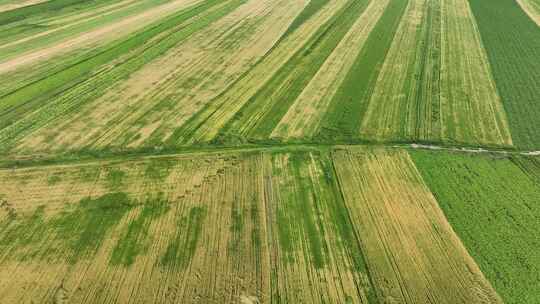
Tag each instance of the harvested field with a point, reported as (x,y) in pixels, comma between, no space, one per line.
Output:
(492,203)
(269,151)
(167,230)
(269,226)
(412,253)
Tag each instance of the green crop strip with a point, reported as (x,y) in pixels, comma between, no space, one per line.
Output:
(297,220)
(344,116)
(286,85)
(115,178)
(341,220)
(51,108)
(512,43)
(182,248)
(423,106)
(52,6)
(311,9)
(493,206)
(136,239)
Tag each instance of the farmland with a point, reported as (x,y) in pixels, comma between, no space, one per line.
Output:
(513,50)
(174,74)
(493,206)
(269,225)
(269,151)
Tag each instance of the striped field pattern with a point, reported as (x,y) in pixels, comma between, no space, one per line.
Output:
(138,75)
(270,151)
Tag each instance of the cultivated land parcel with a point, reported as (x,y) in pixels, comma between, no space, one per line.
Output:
(266,151)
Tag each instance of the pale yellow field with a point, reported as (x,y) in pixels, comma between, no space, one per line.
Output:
(412,252)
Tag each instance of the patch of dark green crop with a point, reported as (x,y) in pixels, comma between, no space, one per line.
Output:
(348,106)
(256,230)
(83,229)
(159,169)
(237,226)
(115,178)
(291,79)
(20,232)
(512,43)
(136,238)
(311,9)
(182,248)
(54,179)
(89,174)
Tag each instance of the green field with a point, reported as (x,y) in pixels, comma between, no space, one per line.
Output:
(269,151)
(492,203)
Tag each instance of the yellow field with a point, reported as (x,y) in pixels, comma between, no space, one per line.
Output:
(412,253)
(241,227)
